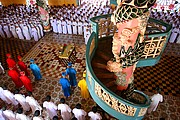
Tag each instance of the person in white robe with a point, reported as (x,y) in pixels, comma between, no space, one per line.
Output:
(37,115)
(79,113)
(9,114)
(9,96)
(64,26)
(155,99)
(50,107)
(21,116)
(30,29)
(54,25)
(87,34)
(69,27)
(35,33)
(19,32)
(80,27)
(2,34)
(33,103)
(22,100)
(2,117)
(13,31)
(74,24)
(38,32)
(2,96)
(65,110)
(26,32)
(59,26)
(1,69)
(94,115)
(7,31)
(174,34)
(41,29)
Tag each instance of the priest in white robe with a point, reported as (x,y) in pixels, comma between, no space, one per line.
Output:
(65,110)
(19,32)
(26,32)
(7,31)
(22,100)
(33,103)
(50,107)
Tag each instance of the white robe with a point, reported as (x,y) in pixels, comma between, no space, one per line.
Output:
(2,34)
(13,31)
(65,111)
(7,31)
(2,117)
(155,101)
(9,115)
(173,35)
(38,32)
(87,35)
(2,69)
(19,32)
(10,97)
(30,29)
(74,27)
(80,28)
(41,30)
(94,116)
(35,34)
(54,25)
(64,27)
(59,26)
(79,113)
(33,104)
(69,27)
(3,97)
(21,117)
(22,101)
(26,32)
(38,118)
(51,109)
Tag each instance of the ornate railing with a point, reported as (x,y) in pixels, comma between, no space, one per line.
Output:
(118,107)
(156,36)
(109,101)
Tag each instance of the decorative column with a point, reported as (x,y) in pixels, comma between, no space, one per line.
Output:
(44,14)
(131,18)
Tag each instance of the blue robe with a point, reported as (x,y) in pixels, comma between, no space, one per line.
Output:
(36,71)
(72,76)
(65,86)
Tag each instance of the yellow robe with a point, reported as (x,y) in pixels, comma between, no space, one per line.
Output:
(84,89)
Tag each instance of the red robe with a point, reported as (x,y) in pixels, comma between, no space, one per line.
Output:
(12,64)
(27,82)
(15,77)
(23,67)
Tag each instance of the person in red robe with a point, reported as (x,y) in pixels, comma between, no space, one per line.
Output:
(22,65)
(26,81)
(15,77)
(11,63)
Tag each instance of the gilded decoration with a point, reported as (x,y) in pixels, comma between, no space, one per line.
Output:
(113,102)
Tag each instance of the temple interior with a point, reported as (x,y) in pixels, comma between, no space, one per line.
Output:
(45,51)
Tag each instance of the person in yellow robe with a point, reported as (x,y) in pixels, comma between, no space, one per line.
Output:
(83,86)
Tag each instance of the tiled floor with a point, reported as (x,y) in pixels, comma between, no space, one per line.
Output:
(45,54)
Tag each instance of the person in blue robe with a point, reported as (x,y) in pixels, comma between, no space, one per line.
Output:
(35,70)
(65,85)
(72,75)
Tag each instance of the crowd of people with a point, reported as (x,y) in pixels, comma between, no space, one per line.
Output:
(171,18)
(26,104)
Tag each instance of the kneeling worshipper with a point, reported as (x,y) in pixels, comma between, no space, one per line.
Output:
(21,116)
(9,114)
(65,85)
(37,115)
(35,70)
(26,81)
